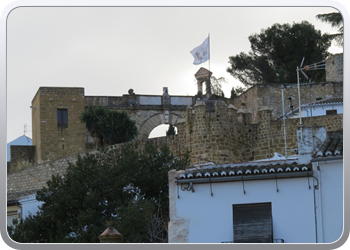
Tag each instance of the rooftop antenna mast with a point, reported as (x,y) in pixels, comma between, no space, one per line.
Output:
(315,66)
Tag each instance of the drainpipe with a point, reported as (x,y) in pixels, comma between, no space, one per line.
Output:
(315,212)
(320,224)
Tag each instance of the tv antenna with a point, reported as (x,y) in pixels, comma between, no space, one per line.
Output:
(314,66)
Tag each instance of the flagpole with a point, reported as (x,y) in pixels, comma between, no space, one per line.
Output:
(209,50)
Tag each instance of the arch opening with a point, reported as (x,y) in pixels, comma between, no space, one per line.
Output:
(160,131)
(154,121)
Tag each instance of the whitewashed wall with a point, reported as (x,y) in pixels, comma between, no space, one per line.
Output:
(209,218)
(29,205)
(319,110)
(329,200)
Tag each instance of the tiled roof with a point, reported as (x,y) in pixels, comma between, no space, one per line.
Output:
(19,195)
(230,170)
(331,100)
(332,146)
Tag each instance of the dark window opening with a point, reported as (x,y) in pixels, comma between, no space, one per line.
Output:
(252,223)
(331,112)
(62,118)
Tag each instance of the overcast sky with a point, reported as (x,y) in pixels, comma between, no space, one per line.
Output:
(108,50)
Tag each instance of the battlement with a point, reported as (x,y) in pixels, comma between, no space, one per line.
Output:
(226,134)
(206,123)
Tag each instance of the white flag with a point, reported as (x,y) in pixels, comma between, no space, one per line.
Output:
(201,53)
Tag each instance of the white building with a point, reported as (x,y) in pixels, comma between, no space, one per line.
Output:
(328,169)
(20,205)
(327,106)
(269,201)
(20,141)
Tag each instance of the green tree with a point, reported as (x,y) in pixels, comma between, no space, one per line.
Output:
(107,126)
(237,91)
(277,51)
(335,19)
(216,85)
(126,184)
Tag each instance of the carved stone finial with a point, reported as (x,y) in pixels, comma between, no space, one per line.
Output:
(166,96)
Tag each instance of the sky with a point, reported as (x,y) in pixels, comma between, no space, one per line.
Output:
(108,50)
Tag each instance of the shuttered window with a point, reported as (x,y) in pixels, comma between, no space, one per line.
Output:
(252,223)
(331,112)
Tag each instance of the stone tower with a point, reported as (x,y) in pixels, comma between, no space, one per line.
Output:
(210,133)
(57,130)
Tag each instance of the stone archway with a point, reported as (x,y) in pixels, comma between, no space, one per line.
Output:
(156,120)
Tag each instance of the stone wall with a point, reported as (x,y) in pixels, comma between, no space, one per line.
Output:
(149,111)
(228,136)
(224,135)
(36,176)
(53,142)
(211,135)
(270,95)
(334,68)
(21,157)
(221,131)
(271,137)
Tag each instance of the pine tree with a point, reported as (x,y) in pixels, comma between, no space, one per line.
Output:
(335,19)
(126,184)
(277,51)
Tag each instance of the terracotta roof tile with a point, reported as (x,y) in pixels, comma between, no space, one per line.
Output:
(231,170)
(332,146)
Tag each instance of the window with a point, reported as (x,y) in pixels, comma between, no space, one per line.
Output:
(62,118)
(252,223)
(331,112)
(10,217)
